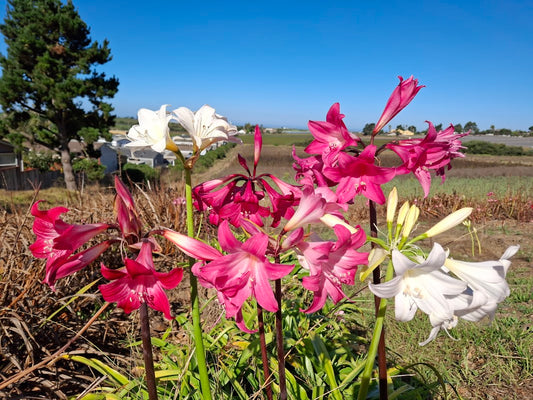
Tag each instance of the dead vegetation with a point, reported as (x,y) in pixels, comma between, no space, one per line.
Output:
(30,329)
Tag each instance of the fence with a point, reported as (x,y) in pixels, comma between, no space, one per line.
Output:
(14,179)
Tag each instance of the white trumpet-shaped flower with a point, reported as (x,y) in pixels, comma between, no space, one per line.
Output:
(205,126)
(487,277)
(152,130)
(423,286)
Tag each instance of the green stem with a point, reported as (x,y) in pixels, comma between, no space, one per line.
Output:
(373,349)
(195,304)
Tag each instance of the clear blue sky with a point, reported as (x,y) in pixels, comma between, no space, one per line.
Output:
(282,63)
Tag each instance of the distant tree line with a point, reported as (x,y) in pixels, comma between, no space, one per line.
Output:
(459,128)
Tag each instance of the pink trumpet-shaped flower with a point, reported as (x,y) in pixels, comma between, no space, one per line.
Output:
(244,272)
(360,176)
(127,216)
(57,241)
(139,283)
(314,203)
(399,99)
(331,136)
(240,196)
(433,152)
(331,264)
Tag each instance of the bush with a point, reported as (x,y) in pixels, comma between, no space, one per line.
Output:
(41,161)
(90,167)
(496,149)
(139,173)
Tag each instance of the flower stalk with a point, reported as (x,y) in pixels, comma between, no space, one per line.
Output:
(279,339)
(147,352)
(195,303)
(376,277)
(264,355)
(374,348)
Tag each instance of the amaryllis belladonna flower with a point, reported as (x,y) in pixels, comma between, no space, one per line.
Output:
(330,136)
(331,264)
(433,152)
(399,99)
(127,216)
(360,176)
(139,283)
(242,273)
(57,241)
(205,127)
(152,130)
(241,196)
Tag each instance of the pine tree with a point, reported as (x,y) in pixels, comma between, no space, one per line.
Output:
(50,89)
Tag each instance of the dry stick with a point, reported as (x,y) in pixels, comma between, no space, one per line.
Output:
(147,352)
(50,360)
(264,356)
(382,358)
(279,340)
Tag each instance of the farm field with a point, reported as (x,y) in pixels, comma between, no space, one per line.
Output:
(487,361)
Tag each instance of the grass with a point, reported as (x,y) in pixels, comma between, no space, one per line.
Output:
(487,361)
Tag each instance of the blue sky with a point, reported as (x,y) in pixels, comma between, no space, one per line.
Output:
(282,63)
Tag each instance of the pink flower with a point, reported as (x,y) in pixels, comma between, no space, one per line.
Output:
(309,171)
(359,175)
(433,152)
(240,196)
(331,136)
(242,273)
(331,264)
(399,99)
(314,203)
(127,216)
(57,241)
(139,282)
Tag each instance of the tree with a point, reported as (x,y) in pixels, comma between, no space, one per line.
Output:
(472,127)
(50,90)
(412,128)
(458,128)
(367,130)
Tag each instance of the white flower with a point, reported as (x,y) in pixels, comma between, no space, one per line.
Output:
(205,126)
(487,276)
(152,130)
(421,286)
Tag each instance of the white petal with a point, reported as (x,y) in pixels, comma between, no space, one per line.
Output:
(386,290)
(432,335)
(186,118)
(401,263)
(404,307)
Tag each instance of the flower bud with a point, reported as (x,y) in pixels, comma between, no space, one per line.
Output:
(449,222)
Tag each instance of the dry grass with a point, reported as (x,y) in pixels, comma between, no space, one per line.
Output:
(25,303)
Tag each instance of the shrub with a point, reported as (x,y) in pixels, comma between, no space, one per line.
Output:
(497,149)
(90,167)
(139,173)
(41,161)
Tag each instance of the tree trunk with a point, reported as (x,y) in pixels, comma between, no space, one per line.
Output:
(68,173)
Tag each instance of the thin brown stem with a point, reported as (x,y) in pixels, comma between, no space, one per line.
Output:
(264,355)
(376,276)
(279,340)
(147,353)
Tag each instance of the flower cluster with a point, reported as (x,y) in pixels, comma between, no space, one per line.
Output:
(204,126)
(240,196)
(273,217)
(443,288)
(137,282)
